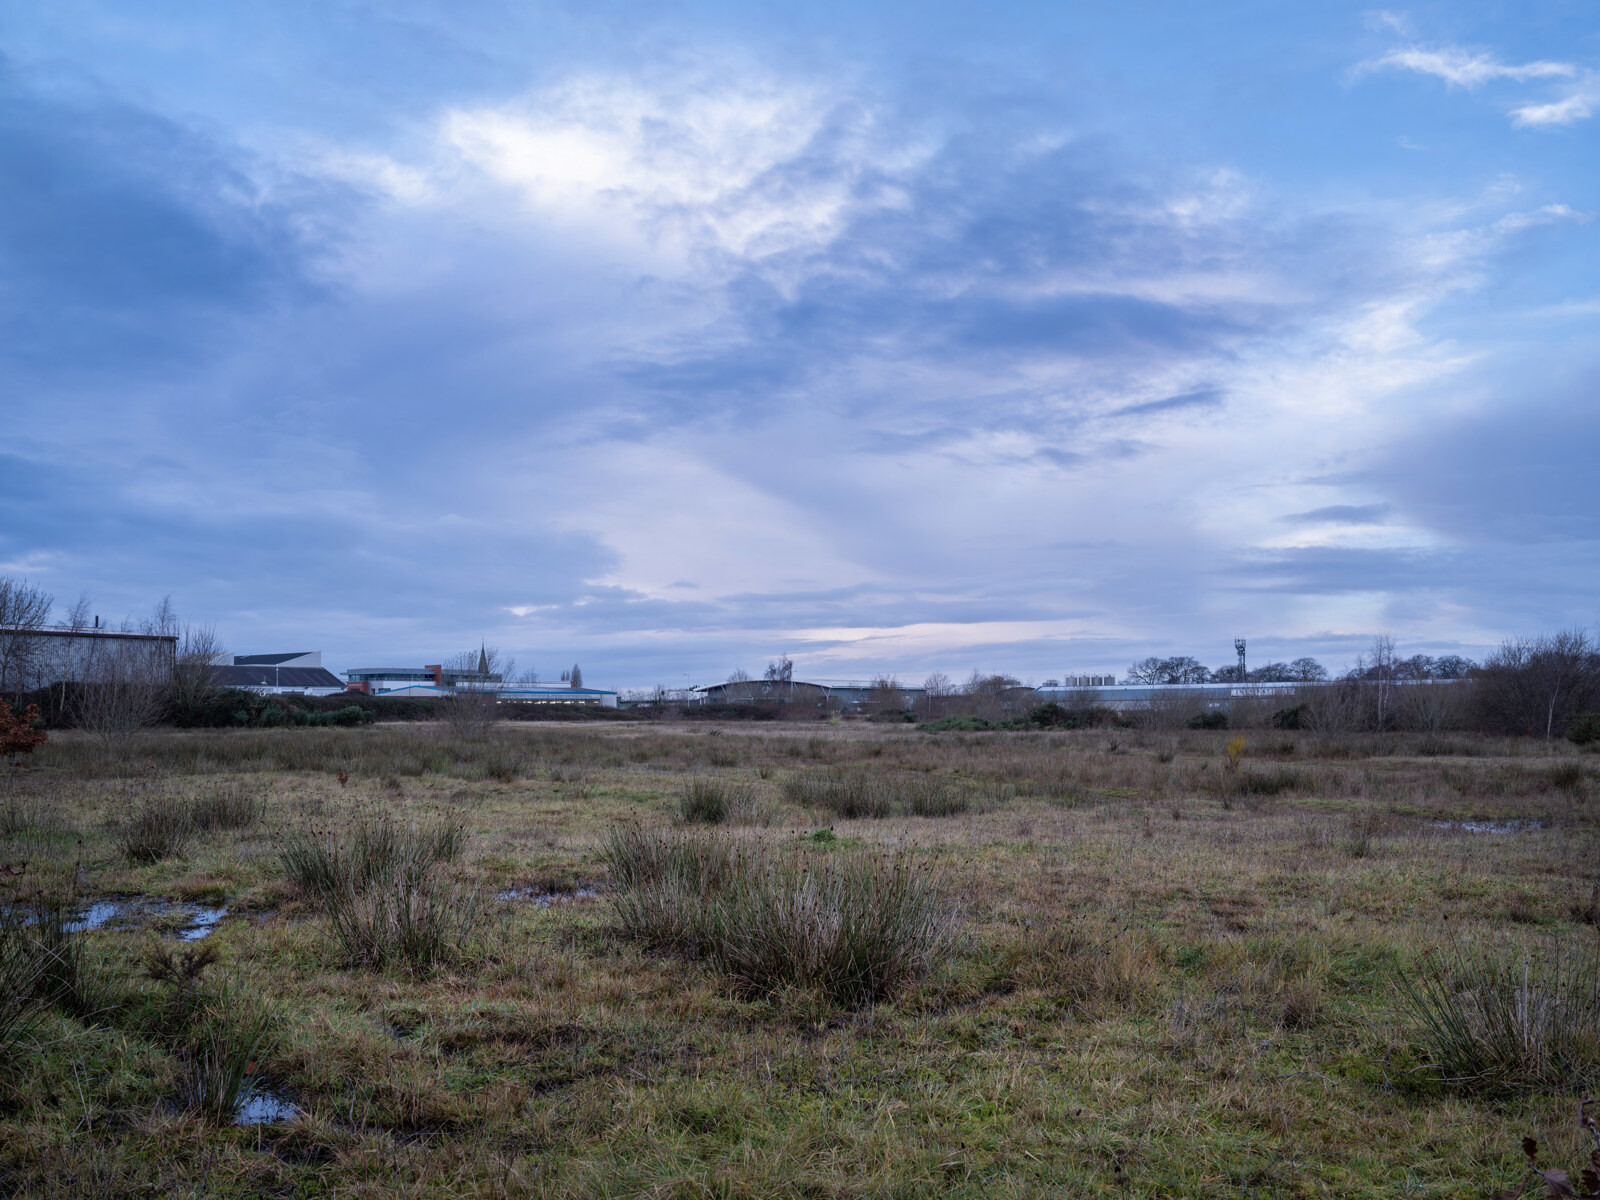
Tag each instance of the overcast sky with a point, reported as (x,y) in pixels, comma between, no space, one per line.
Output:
(897,337)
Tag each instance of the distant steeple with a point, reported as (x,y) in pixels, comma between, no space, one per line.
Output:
(483,660)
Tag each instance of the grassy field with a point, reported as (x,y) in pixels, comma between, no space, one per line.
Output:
(1156,965)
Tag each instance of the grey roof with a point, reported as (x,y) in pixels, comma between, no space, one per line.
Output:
(267,660)
(291,677)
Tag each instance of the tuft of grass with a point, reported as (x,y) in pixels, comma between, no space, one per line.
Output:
(325,864)
(1495,1024)
(161,827)
(715,802)
(226,807)
(384,894)
(22,978)
(415,922)
(222,1070)
(853,795)
(855,929)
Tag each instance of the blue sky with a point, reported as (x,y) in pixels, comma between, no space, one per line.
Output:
(896,337)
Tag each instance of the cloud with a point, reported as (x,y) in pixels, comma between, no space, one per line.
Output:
(1578,104)
(1464,68)
(1472,69)
(1342,514)
(123,234)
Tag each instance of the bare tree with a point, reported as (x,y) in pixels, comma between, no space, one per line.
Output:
(576,676)
(886,695)
(473,681)
(24,610)
(193,678)
(937,690)
(1539,683)
(122,690)
(780,679)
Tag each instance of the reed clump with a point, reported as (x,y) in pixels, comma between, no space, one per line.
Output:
(385,893)
(1500,1024)
(854,928)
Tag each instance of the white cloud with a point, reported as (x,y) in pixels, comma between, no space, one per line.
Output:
(1579,104)
(1463,68)
(1471,69)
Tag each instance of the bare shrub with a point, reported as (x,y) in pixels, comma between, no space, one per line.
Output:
(122,691)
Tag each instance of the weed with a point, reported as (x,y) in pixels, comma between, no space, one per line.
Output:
(1567,777)
(1233,752)
(180,972)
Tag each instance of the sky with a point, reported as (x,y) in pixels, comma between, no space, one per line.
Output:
(895,337)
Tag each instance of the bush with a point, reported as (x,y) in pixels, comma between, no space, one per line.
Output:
(1495,1025)
(959,725)
(1055,716)
(1289,718)
(1584,729)
(1211,719)
(855,929)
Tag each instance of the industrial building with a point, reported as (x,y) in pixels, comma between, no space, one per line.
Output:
(434,682)
(840,694)
(44,655)
(297,673)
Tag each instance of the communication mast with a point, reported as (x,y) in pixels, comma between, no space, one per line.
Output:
(1238,645)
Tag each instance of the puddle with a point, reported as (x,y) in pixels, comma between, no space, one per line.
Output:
(133,912)
(264,1108)
(1489,826)
(546,899)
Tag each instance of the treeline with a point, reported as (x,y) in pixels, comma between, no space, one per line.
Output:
(1184,669)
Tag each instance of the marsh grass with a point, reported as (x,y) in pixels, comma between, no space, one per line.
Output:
(161,826)
(383,890)
(855,928)
(418,922)
(222,1063)
(226,806)
(1198,1005)
(856,794)
(707,801)
(23,984)
(325,863)
(1501,1023)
